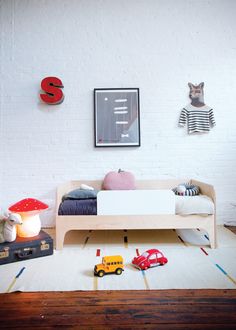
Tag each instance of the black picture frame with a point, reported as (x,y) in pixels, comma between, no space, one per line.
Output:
(116,117)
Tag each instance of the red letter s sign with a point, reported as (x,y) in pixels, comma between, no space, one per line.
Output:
(52,88)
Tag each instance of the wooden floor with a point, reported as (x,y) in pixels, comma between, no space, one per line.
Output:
(164,309)
(159,309)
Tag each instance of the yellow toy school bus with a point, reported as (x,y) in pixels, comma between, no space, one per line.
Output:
(110,264)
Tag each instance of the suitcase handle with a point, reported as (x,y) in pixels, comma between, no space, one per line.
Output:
(25,253)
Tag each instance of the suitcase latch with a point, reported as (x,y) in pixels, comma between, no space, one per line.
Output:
(4,253)
(44,246)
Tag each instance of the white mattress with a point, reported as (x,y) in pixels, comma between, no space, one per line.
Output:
(199,204)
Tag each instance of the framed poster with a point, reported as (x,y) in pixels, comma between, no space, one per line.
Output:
(116,117)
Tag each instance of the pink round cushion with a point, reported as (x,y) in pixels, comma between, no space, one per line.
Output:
(120,180)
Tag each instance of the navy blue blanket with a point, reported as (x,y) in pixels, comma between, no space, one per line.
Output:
(78,207)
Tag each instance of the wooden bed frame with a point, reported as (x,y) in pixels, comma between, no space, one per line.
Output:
(115,222)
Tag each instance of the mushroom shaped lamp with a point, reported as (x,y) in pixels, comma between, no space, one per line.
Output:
(29,209)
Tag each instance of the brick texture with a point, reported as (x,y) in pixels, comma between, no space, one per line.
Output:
(158,46)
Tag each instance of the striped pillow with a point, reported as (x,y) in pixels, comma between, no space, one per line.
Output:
(190,190)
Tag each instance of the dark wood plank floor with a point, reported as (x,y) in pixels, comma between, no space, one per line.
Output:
(167,309)
(158,309)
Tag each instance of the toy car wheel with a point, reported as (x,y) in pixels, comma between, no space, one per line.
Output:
(118,271)
(101,273)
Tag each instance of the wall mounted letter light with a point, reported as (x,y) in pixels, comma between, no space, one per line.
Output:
(52,88)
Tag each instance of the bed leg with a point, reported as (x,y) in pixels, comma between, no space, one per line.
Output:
(59,239)
(212,236)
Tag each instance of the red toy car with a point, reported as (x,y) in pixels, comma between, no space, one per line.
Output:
(148,259)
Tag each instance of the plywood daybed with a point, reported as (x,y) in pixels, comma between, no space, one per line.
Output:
(142,221)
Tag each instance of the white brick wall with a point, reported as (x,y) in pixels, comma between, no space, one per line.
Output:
(155,45)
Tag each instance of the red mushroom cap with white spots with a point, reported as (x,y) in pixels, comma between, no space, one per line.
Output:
(28,205)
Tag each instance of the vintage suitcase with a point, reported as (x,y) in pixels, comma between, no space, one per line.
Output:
(26,248)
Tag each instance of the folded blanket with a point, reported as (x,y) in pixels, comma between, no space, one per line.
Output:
(200,204)
(78,207)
